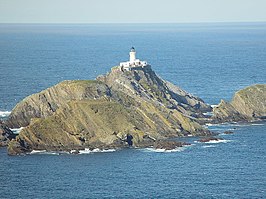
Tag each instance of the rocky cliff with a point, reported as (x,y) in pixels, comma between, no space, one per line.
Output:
(119,109)
(248,104)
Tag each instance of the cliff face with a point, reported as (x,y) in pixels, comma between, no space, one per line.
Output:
(45,103)
(247,104)
(145,84)
(122,108)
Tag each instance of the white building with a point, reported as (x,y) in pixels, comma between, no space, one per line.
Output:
(133,62)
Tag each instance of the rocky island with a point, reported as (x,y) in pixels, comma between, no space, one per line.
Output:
(129,106)
(248,104)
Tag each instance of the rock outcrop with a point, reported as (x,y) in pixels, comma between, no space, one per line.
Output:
(5,135)
(145,84)
(168,144)
(210,139)
(248,104)
(119,109)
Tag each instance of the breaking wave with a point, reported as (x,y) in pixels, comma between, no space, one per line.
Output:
(208,146)
(85,151)
(218,141)
(43,152)
(88,151)
(178,149)
(214,141)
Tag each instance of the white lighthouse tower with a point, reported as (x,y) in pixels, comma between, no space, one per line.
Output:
(132,55)
(133,62)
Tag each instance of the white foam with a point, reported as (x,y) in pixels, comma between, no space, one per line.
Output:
(88,151)
(214,141)
(214,105)
(178,149)
(4,113)
(208,146)
(43,152)
(217,141)
(257,124)
(17,130)
(209,124)
(37,151)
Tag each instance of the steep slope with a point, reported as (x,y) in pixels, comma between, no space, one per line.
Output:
(247,104)
(144,83)
(45,103)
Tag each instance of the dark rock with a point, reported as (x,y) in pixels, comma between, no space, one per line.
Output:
(208,139)
(5,135)
(129,140)
(228,132)
(168,144)
(18,146)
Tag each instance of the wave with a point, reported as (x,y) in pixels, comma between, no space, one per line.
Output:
(208,146)
(217,141)
(214,105)
(210,124)
(4,113)
(88,151)
(261,124)
(44,152)
(214,141)
(178,149)
(235,124)
(85,151)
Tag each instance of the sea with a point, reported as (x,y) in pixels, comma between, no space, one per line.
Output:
(209,60)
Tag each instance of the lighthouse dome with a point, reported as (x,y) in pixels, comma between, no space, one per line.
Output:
(132,49)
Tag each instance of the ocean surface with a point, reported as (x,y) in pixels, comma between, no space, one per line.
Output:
(211,61)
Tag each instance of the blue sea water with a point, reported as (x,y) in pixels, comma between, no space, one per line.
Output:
(211,61)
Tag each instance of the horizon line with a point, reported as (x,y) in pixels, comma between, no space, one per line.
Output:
(132,23)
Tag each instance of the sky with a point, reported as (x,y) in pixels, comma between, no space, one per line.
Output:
(131,11)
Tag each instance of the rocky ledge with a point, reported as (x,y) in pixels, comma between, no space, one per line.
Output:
(248,104)
(209,139)
(122,108)
(5,135)
(168,144)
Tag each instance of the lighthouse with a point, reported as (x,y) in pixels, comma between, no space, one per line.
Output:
(132,55)
(133,62)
